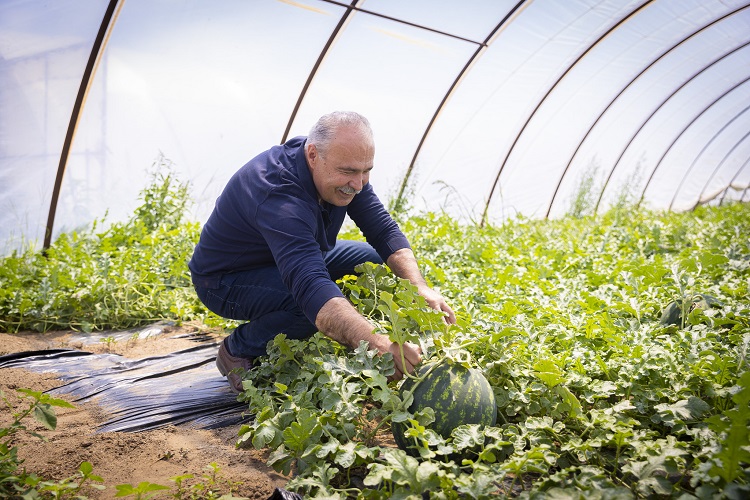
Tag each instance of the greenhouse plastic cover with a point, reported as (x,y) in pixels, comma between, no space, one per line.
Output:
(179,388)
(484,109)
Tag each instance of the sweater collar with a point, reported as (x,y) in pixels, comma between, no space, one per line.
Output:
(305,176)
(303,169)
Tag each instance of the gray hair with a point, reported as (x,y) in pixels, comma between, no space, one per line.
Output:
(324,130)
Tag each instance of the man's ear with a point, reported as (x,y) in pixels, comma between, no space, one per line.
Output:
(311,153)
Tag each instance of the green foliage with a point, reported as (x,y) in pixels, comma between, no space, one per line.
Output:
(596,398)
(583,202)
(129,274)
(210,486)
(141,491)
(16,482)
(69,487)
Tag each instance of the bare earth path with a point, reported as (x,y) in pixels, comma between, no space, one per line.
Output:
(155,456)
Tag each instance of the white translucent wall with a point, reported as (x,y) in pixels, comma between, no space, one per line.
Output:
(394,74)
(642,117)
(644,96)
(210,85)
(43,53)
(561,103)
(207,85)
(709,149)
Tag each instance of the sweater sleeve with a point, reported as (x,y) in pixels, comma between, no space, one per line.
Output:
(288,225)
(376,224)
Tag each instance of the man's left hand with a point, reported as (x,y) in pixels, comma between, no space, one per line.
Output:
(437,302)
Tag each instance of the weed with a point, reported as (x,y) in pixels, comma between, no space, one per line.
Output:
(109,341)
(16,482)
(211,486)
(141,491)
(584,198)
(126,275)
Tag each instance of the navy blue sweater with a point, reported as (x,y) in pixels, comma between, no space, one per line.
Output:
(269,215)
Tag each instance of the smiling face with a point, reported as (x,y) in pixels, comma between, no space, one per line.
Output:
(344,168)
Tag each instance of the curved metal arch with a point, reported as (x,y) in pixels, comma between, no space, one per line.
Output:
(690,123)
(700,153)
(401,21)
(731,181)
(718,167)
(547,94)
(474,57)
(622,91)
(352,7)
(96,51)
(648,119)
(334,35)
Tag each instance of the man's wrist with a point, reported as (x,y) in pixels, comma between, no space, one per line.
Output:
(339,320)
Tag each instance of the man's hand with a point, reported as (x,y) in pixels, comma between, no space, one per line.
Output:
(404,265)
(412,357)
(437,302)
(342,322)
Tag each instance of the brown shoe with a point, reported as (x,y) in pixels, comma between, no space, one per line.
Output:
(228,366)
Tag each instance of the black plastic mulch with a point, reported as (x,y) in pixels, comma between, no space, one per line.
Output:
(180,388)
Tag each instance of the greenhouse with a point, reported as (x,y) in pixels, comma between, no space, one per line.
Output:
(572,178)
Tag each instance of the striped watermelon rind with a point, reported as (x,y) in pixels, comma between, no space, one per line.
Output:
(672,314)
(458,395)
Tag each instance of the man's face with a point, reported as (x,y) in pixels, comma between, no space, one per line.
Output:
(345,169)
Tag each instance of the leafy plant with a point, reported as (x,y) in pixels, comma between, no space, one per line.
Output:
(70,487)
(16,482)
(141,491)
(584,199)
(209,486)
(594,394)
(128,274)
(109,341)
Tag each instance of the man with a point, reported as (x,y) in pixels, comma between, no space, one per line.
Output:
(268,253)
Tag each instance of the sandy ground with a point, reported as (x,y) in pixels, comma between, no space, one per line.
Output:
(155,456)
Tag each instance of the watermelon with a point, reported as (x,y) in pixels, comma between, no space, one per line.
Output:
(672,314)
(458,395)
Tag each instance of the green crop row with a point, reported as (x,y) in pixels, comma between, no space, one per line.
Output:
(598,395)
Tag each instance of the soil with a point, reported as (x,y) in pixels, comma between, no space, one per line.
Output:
(154,456)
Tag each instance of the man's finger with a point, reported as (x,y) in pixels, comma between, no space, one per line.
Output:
(412,356)
(409,368)
(398,375)
(451,318)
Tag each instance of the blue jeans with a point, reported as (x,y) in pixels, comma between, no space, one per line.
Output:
(260,297)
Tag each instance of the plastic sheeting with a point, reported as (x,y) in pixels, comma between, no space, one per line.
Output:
(482,108)
(180,388)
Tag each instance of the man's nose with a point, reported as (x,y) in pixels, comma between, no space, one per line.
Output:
(357,182)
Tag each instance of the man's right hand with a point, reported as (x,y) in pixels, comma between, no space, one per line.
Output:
(412,357)
(342,322)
